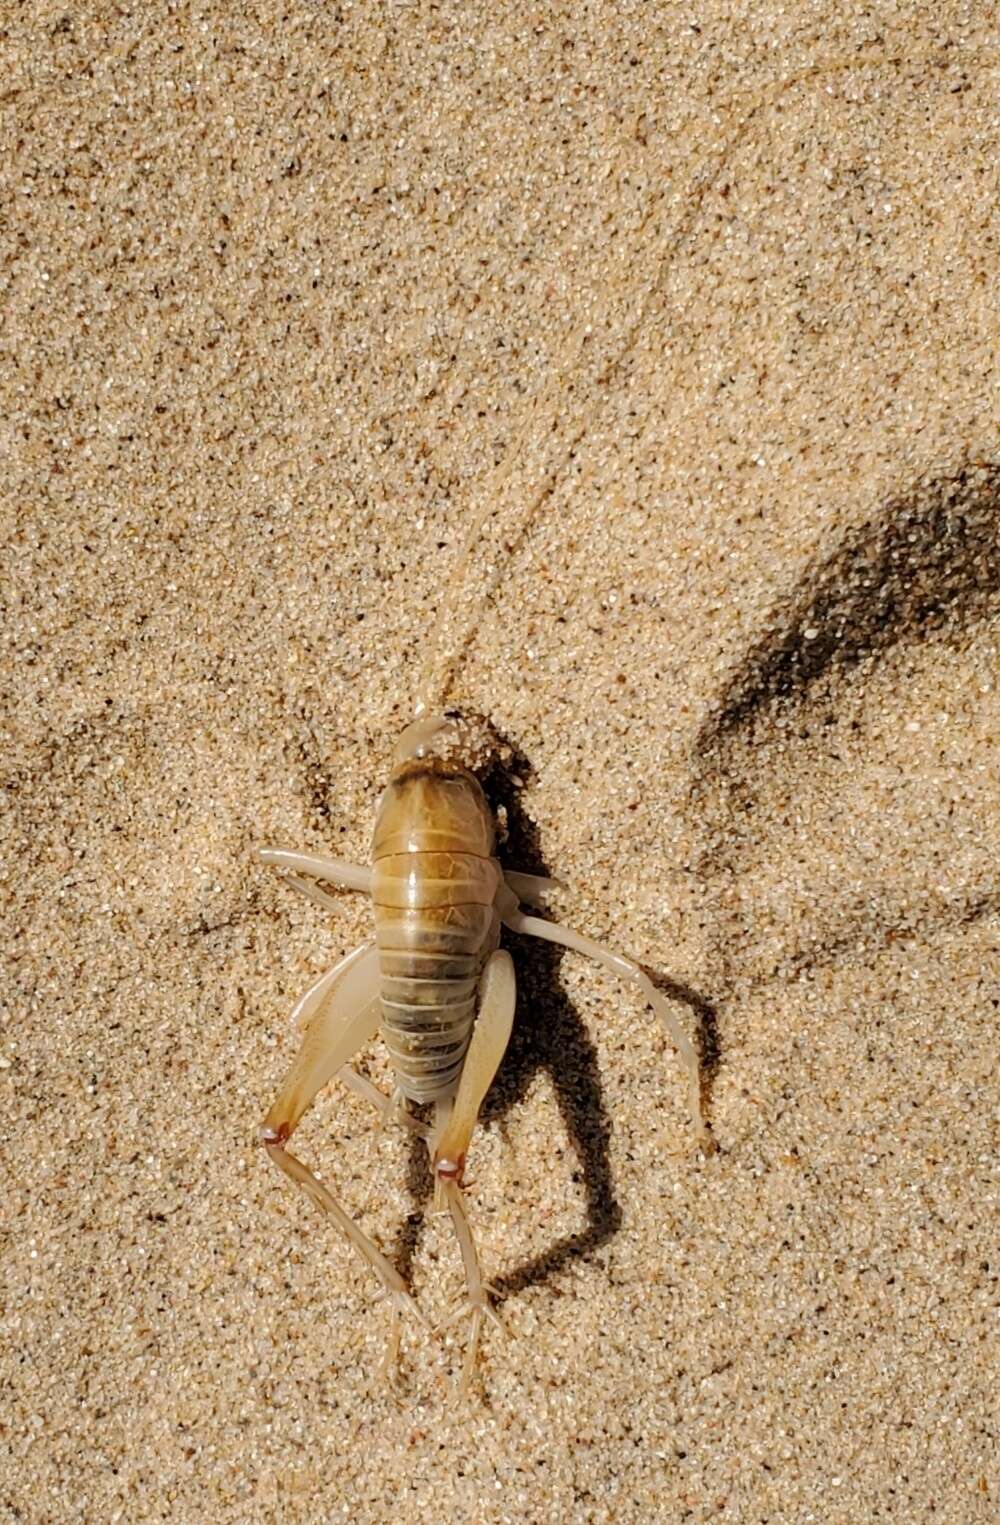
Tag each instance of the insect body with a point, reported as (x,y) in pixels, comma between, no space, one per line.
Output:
(434,888)
(435,982)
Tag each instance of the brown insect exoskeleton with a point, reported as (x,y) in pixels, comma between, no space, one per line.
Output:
(433,980)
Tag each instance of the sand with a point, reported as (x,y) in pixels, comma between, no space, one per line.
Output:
(291,294)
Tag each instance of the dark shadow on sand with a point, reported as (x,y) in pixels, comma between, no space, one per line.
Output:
(924,568)
(927,566)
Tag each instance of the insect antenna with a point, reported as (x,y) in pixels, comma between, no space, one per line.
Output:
(454,631)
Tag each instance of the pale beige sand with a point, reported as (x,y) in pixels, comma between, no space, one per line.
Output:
(278,294)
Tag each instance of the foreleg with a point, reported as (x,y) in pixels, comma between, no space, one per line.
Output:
(347,876)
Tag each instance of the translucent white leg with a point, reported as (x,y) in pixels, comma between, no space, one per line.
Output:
(626,969)
(311,892)
(349,876)
(455,1123)
(530,887)
(490,1036)
(476,1304)
(343,1020)
(312,999)
(390,1108)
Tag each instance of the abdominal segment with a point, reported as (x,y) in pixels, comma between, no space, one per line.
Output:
(435,926)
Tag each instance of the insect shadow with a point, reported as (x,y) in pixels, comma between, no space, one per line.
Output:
(548,1035)
(925,567)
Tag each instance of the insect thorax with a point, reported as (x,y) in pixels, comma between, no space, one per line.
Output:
(431,806)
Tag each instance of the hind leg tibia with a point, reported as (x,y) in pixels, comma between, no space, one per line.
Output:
(344,1017)
(490,1036)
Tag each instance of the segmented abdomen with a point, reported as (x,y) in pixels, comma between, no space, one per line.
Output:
(435,921)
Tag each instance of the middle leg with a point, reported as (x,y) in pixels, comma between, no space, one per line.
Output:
(626,969)
(530,887)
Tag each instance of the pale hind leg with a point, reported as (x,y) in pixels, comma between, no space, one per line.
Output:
(345,1017)
(311,1000)
(490,1036)
(626,969)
